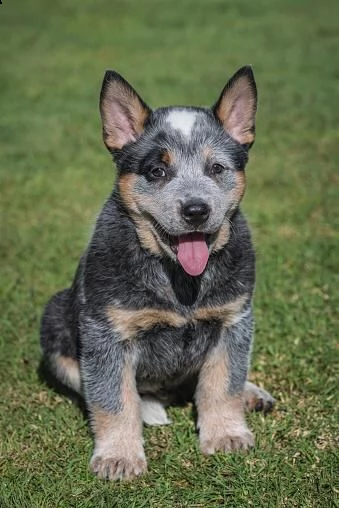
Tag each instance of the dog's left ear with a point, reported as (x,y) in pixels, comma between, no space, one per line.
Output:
(123,112)
(237,105)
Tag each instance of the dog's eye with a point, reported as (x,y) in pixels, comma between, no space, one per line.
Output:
(216,169)
(158,172)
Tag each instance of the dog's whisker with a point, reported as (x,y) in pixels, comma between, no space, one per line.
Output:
(233,230)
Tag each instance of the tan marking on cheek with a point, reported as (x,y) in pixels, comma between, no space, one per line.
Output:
(222,237)
(227,314)
(146,236)
(127,191)
(134,203)
(240,185)
(128,323)
(168,158)
(237,193)
(207,152)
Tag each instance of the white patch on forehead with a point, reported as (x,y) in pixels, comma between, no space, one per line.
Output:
(182,121)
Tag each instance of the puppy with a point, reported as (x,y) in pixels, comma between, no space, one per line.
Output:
(161,304)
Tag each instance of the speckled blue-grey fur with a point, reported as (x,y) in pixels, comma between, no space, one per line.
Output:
(117,271)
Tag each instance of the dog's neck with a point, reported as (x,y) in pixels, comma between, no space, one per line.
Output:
(185,287)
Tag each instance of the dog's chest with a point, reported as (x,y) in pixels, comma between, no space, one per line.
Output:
(172,324)
(166,352)
(173,342)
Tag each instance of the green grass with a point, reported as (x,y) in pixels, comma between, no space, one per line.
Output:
(55,174)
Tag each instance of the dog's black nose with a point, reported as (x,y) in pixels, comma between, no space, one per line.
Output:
(195,212)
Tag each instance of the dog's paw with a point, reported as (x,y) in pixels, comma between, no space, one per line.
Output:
(230,441)
(153,411)
(257,399)
(118,468)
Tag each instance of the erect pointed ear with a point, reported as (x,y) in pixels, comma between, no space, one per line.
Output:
(237,105)
(123,112)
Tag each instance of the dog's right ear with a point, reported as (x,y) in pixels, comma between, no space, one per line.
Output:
(123,112)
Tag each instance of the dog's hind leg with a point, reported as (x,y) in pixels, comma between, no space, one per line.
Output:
(67,371)
(257,399)
(59,344)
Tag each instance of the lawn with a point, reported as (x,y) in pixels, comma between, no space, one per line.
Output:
(55,174)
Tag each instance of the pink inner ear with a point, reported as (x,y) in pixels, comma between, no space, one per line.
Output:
(236,109)
(121,125)
(241,117)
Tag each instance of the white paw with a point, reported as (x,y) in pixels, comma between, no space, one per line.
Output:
(153,412)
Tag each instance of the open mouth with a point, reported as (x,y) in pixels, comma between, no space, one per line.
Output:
(190,249)
(192,252)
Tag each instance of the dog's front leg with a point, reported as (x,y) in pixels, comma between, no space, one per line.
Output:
(220,391)
(108,376)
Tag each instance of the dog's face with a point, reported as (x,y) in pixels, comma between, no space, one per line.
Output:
(181,169)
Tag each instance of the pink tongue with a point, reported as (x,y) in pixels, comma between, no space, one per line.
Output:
(193,253)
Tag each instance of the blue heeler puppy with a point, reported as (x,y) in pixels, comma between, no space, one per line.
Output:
(161,304)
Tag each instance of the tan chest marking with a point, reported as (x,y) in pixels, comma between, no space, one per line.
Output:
(128,323)
(228,314)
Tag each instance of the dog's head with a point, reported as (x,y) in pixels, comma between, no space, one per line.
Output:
(180,169)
